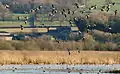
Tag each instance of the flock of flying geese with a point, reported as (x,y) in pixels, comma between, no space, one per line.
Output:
(67,11)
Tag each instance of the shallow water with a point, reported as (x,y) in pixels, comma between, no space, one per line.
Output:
(56,69)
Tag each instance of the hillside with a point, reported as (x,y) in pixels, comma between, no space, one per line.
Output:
(102,2)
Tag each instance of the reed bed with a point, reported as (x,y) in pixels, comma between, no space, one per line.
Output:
(59,57)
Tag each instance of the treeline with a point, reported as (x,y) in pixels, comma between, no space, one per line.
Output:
(44,43)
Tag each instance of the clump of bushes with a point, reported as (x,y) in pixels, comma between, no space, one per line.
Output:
(4,45)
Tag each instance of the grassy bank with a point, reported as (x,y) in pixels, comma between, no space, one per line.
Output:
(59,57)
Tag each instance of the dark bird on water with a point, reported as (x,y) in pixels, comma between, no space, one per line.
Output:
(43,70)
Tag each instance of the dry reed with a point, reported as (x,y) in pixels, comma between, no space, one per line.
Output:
(59,57)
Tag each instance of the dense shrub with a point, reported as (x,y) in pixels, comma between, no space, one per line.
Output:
(91,42)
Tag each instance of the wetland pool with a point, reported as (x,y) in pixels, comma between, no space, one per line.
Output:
(57,69)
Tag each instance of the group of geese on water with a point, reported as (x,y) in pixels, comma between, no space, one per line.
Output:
(50,69)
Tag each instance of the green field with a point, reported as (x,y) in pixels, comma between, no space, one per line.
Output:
(42,19)
(13,23)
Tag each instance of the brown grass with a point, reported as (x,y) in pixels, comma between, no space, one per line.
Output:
(59,57)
